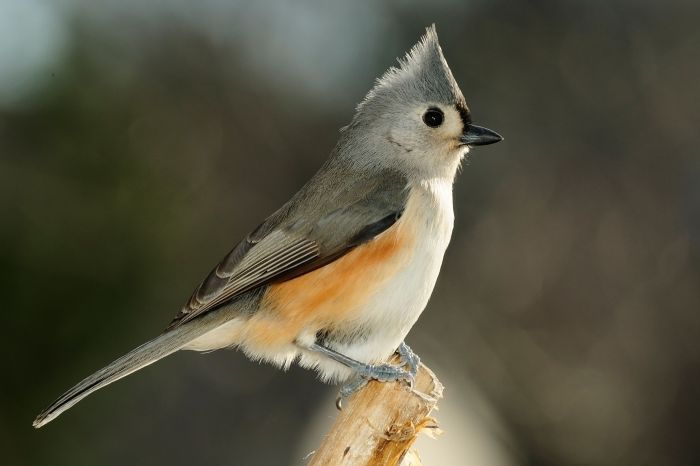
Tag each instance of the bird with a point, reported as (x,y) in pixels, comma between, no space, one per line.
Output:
(335,279)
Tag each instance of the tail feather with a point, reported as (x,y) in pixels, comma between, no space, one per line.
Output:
(148,353)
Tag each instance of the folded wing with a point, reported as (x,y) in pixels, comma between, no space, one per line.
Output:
(304,235)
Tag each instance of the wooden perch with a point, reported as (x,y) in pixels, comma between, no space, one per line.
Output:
(378,424)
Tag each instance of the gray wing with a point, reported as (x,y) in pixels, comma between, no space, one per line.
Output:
(312,230)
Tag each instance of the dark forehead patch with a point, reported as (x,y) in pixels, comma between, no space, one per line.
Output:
(464,114)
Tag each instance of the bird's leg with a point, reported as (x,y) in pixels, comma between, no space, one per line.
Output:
(408,358)
(365,372)
(380,372)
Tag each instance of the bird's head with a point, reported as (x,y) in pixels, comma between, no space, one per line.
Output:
(415,118)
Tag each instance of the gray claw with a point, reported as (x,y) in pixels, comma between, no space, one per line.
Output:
(348,389)
(408,358)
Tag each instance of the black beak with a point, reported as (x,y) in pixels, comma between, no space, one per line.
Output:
(479,136)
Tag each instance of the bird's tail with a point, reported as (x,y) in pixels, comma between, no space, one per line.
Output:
(148,353)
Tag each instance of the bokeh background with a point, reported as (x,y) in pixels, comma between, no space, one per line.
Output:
(140,139)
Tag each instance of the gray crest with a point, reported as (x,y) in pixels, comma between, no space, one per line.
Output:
(422,76)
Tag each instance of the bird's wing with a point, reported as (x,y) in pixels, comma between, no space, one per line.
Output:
(307,233)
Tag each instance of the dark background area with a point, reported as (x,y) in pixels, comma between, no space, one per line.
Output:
(140,140)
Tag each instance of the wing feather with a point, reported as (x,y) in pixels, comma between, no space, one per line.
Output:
(278,252)
(307,233)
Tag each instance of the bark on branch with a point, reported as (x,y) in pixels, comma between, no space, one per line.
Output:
(378,424)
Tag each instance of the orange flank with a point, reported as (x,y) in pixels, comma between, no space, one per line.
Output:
(330,295)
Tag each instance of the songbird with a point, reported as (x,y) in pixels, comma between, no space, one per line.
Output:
(336,277)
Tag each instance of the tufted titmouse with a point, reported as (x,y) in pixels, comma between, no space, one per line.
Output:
(337,277)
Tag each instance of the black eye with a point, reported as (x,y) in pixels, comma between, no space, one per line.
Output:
(433,117)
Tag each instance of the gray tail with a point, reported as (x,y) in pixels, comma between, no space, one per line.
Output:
(146,354)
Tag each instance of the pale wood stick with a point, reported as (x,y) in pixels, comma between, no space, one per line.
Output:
(378,424)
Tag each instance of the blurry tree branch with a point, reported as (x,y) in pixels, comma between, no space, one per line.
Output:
(378,424)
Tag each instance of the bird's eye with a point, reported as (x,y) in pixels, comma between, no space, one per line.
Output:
(433,117)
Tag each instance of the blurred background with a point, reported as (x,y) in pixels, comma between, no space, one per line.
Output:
(140,139)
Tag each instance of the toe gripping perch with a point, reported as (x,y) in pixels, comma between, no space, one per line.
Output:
(366,372)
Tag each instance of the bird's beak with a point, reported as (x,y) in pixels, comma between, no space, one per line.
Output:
(479,136)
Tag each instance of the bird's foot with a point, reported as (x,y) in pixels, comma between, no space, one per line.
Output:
(366,372)
(378,372)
